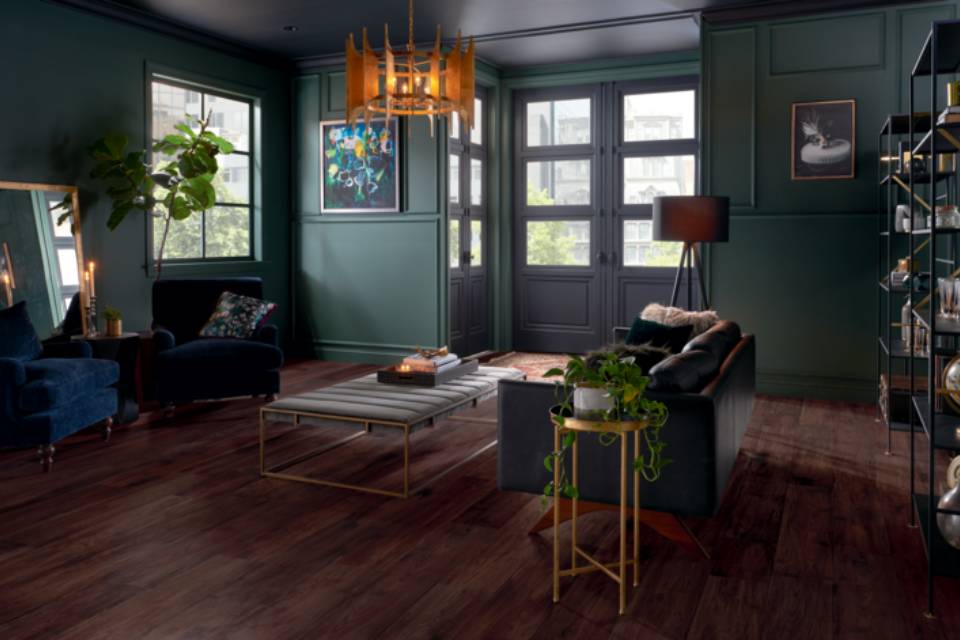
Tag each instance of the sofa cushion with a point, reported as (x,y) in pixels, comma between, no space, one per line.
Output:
(658,335)
(18,339)
(52,382)
(685,372)
(719,340)
(222,356)
(677,317)
(645,355)
(236,316)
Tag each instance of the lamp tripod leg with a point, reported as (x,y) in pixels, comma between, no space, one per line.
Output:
(676,281)
(704,301)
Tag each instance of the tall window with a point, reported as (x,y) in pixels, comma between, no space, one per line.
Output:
(226,230)
(657,156)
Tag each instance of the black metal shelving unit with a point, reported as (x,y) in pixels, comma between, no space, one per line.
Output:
(893,351)
(939,57)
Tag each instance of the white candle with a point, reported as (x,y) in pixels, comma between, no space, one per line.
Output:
(93,280)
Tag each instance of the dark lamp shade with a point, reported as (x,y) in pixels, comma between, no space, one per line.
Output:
(691,218)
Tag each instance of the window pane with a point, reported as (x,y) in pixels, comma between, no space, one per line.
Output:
(558,122)
(454,178)
(227,232)
(170,106)
(183,239)
(454,243)
(558,242)
(476,132)
(60,230)
(639,249)
(476,182)
(558,182)
(233,179)
(659,116)
(644,178)
(476,243)
(67,260)
(453,125)
(230,119)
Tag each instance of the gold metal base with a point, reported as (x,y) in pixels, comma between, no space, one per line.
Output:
(276,470)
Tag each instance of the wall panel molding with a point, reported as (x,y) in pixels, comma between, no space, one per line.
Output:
(863,38)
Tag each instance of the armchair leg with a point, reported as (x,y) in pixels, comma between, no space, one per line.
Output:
(45,453)
(107,429)
(168,410)
(271,397)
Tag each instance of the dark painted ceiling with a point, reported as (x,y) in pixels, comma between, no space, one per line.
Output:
(509,32)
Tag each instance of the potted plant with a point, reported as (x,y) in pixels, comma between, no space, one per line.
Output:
(185,178)
(613,387)
(114,322)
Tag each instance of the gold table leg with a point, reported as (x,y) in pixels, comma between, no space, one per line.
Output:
(556,518)
(623,523)
(575,500)
(636,512)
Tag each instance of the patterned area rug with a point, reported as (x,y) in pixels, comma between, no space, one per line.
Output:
(532,364)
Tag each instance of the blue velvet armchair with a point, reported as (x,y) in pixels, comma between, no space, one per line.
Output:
(189,367)
(48,392)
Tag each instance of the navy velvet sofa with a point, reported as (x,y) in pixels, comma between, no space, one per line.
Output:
(188,367)
(51,391)
(703,436)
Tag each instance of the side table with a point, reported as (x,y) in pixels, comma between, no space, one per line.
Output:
(125,351)
(622,430)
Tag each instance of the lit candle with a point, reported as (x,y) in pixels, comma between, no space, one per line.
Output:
(93,280)
(85,292)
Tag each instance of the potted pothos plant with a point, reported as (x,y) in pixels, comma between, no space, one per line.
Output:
(181,184)
(615,386)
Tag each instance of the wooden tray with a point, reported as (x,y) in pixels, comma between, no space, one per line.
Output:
(391,375)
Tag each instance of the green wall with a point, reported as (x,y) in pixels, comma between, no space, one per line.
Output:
(69,77)
(800,268)
(370,287)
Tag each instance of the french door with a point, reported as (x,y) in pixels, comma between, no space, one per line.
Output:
(467,234)
(589,160)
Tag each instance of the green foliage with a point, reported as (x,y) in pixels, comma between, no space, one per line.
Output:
(547,241)
(623,381)
(181,187)
(111,313)
(65,207)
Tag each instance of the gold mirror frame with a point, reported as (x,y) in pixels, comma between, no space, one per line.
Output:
(75,216)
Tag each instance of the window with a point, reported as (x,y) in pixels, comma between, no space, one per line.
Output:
(558,243)
(476,132)
(225,231)
(454,178)
(646,178)
(639,249)
(665,115)
(558,122)
(558,183)
(453,243)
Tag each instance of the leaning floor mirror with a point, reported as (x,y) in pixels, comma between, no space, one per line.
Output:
(41,255)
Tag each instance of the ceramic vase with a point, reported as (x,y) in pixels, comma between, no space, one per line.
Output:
(948,523)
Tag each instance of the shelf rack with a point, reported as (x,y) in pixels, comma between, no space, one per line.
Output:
(939,56)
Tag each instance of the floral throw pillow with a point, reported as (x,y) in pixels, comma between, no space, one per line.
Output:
(236,316)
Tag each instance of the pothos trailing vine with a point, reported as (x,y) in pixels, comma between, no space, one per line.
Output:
(625,383)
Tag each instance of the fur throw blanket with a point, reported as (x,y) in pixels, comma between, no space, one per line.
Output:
(675,317)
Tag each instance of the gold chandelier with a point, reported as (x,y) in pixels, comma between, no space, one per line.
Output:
(411,82)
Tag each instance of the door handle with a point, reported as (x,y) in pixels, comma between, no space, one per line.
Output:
(466,257)
(601,257)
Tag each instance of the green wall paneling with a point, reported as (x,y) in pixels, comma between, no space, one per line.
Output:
(82,75)
(800,268)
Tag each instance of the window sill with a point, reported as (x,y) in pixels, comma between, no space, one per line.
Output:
(209,268)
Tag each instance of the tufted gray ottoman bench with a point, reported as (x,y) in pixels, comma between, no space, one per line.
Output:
(369,405)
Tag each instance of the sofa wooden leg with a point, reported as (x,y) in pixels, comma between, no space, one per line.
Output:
(667,525)
(107,429)
(45,453)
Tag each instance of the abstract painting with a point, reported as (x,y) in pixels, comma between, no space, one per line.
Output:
(360,167)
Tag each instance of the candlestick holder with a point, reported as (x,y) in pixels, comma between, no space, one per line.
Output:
(92,317)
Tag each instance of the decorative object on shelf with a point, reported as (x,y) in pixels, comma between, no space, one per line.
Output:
(948,523)
(187,178)
(906,321)
(947,163)
(823,140)
(953,472)
(691,220)
(947,216)
(910,163)
(361,167)
(114,322)
(953,94)
(901,220)
(411,82)
(951,383)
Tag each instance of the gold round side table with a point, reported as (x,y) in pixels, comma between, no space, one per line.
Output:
(622,429)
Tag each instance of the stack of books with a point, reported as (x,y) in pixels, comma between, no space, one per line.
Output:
(433,364)
(950,115)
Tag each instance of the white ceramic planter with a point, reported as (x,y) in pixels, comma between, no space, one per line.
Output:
(589,402)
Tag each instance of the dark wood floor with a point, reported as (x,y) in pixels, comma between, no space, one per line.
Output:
(168,532)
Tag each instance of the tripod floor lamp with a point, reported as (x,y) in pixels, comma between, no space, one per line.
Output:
(691,220)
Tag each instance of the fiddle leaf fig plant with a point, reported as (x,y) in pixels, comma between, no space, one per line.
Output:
(180,186)
(624,382)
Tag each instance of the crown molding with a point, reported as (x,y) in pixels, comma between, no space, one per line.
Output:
(158,24)
(758,10)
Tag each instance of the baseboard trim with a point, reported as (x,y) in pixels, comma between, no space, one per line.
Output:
(780,383)
(364,352)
